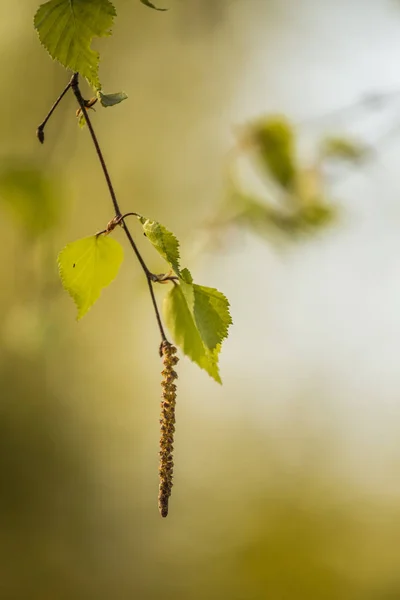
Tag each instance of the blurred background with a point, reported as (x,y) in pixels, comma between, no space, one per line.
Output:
(266,135)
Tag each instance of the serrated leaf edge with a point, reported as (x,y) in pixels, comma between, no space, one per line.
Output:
(95,82)
(207,351)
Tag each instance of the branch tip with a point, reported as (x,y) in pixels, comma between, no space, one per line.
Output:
(40,134)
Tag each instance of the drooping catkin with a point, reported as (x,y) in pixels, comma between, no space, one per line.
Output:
(167,422)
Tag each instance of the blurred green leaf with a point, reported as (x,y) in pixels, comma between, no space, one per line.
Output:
(343,148)
(81,120)
(317,215)
(107,100)
(66,29)
(87,266)
(151,5)
(30,196)
(163,241)
(265,219)
(274,137)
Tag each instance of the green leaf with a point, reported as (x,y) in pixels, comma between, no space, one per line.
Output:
(163,241)
(197,316)
(211,313)
(150,5)
(275,140)
(111,99)
(87,266)
(180,321)
(186,275)
(66,29)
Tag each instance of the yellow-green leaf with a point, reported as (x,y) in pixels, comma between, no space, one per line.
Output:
(211,314)
(81,120)
(87,266)
(163,241)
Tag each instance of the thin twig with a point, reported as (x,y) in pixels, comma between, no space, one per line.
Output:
(119,217)
(40,129)
(115,221)
(75,88)
(130,214)
(158,316)
(128,234)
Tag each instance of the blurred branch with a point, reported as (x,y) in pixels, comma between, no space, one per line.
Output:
(372,101)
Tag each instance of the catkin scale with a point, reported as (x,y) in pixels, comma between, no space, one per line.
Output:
(167,423)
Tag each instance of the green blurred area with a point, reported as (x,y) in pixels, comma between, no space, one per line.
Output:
(261,508)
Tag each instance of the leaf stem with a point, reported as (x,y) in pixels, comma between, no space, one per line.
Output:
(40,129)
(151,278)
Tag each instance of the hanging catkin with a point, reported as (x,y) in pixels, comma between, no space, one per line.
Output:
(167,422)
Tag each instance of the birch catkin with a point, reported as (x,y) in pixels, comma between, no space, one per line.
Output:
(167,422)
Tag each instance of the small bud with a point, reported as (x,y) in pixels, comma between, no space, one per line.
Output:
(40,134)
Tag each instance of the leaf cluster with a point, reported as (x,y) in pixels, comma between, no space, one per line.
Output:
(198,317)
(295,203)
